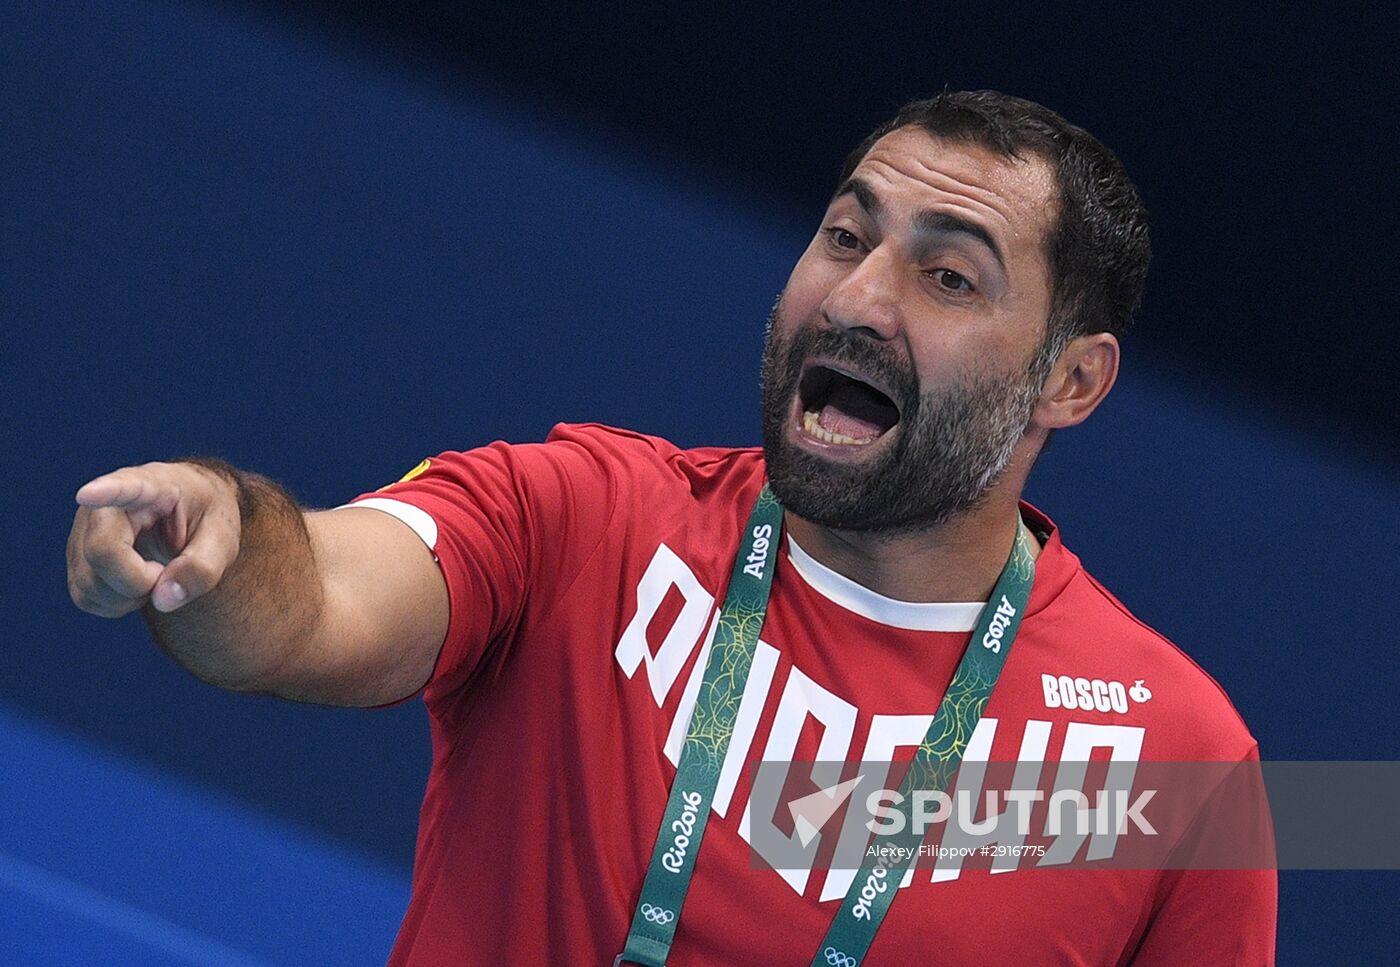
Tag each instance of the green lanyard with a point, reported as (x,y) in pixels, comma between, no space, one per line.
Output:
(712,724)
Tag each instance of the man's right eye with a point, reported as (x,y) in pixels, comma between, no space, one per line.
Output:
(842,238)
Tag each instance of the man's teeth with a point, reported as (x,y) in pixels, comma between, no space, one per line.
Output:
(810,424)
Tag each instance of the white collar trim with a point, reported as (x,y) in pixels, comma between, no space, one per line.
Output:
(912,615)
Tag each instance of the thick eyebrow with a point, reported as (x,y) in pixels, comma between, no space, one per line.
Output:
(927,223)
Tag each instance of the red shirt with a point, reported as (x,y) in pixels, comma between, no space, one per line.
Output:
(583,575)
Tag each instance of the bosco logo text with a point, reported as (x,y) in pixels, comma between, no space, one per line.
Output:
(1091,694)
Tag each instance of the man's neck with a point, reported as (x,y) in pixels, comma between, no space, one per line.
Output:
(957,561)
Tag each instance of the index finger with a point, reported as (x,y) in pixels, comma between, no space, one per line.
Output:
(128,487)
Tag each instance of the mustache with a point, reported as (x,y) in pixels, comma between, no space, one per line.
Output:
(860,353)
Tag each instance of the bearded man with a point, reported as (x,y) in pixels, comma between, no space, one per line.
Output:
(608,630)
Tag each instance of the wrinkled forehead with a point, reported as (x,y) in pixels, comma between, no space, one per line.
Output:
(1015,197)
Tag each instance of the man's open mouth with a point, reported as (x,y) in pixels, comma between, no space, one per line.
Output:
(841,408)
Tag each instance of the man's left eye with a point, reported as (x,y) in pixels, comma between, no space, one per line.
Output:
(951,280)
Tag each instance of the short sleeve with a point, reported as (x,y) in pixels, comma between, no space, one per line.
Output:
(511,526)
(1206,912)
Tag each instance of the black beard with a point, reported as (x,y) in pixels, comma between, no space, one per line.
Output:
(951,448)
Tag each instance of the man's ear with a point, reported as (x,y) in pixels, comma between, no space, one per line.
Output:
(1079,381)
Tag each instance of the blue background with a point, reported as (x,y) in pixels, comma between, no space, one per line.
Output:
(323,246)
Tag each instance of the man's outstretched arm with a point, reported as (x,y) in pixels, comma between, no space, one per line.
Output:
(249,592)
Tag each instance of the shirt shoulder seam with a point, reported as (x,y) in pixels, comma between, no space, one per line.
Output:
(1123,610)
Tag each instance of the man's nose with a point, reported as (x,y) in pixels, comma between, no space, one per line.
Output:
(867,299)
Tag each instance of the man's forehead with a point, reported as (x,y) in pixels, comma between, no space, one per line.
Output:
(1020,193)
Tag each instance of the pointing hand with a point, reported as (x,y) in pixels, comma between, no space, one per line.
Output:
(161,531)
